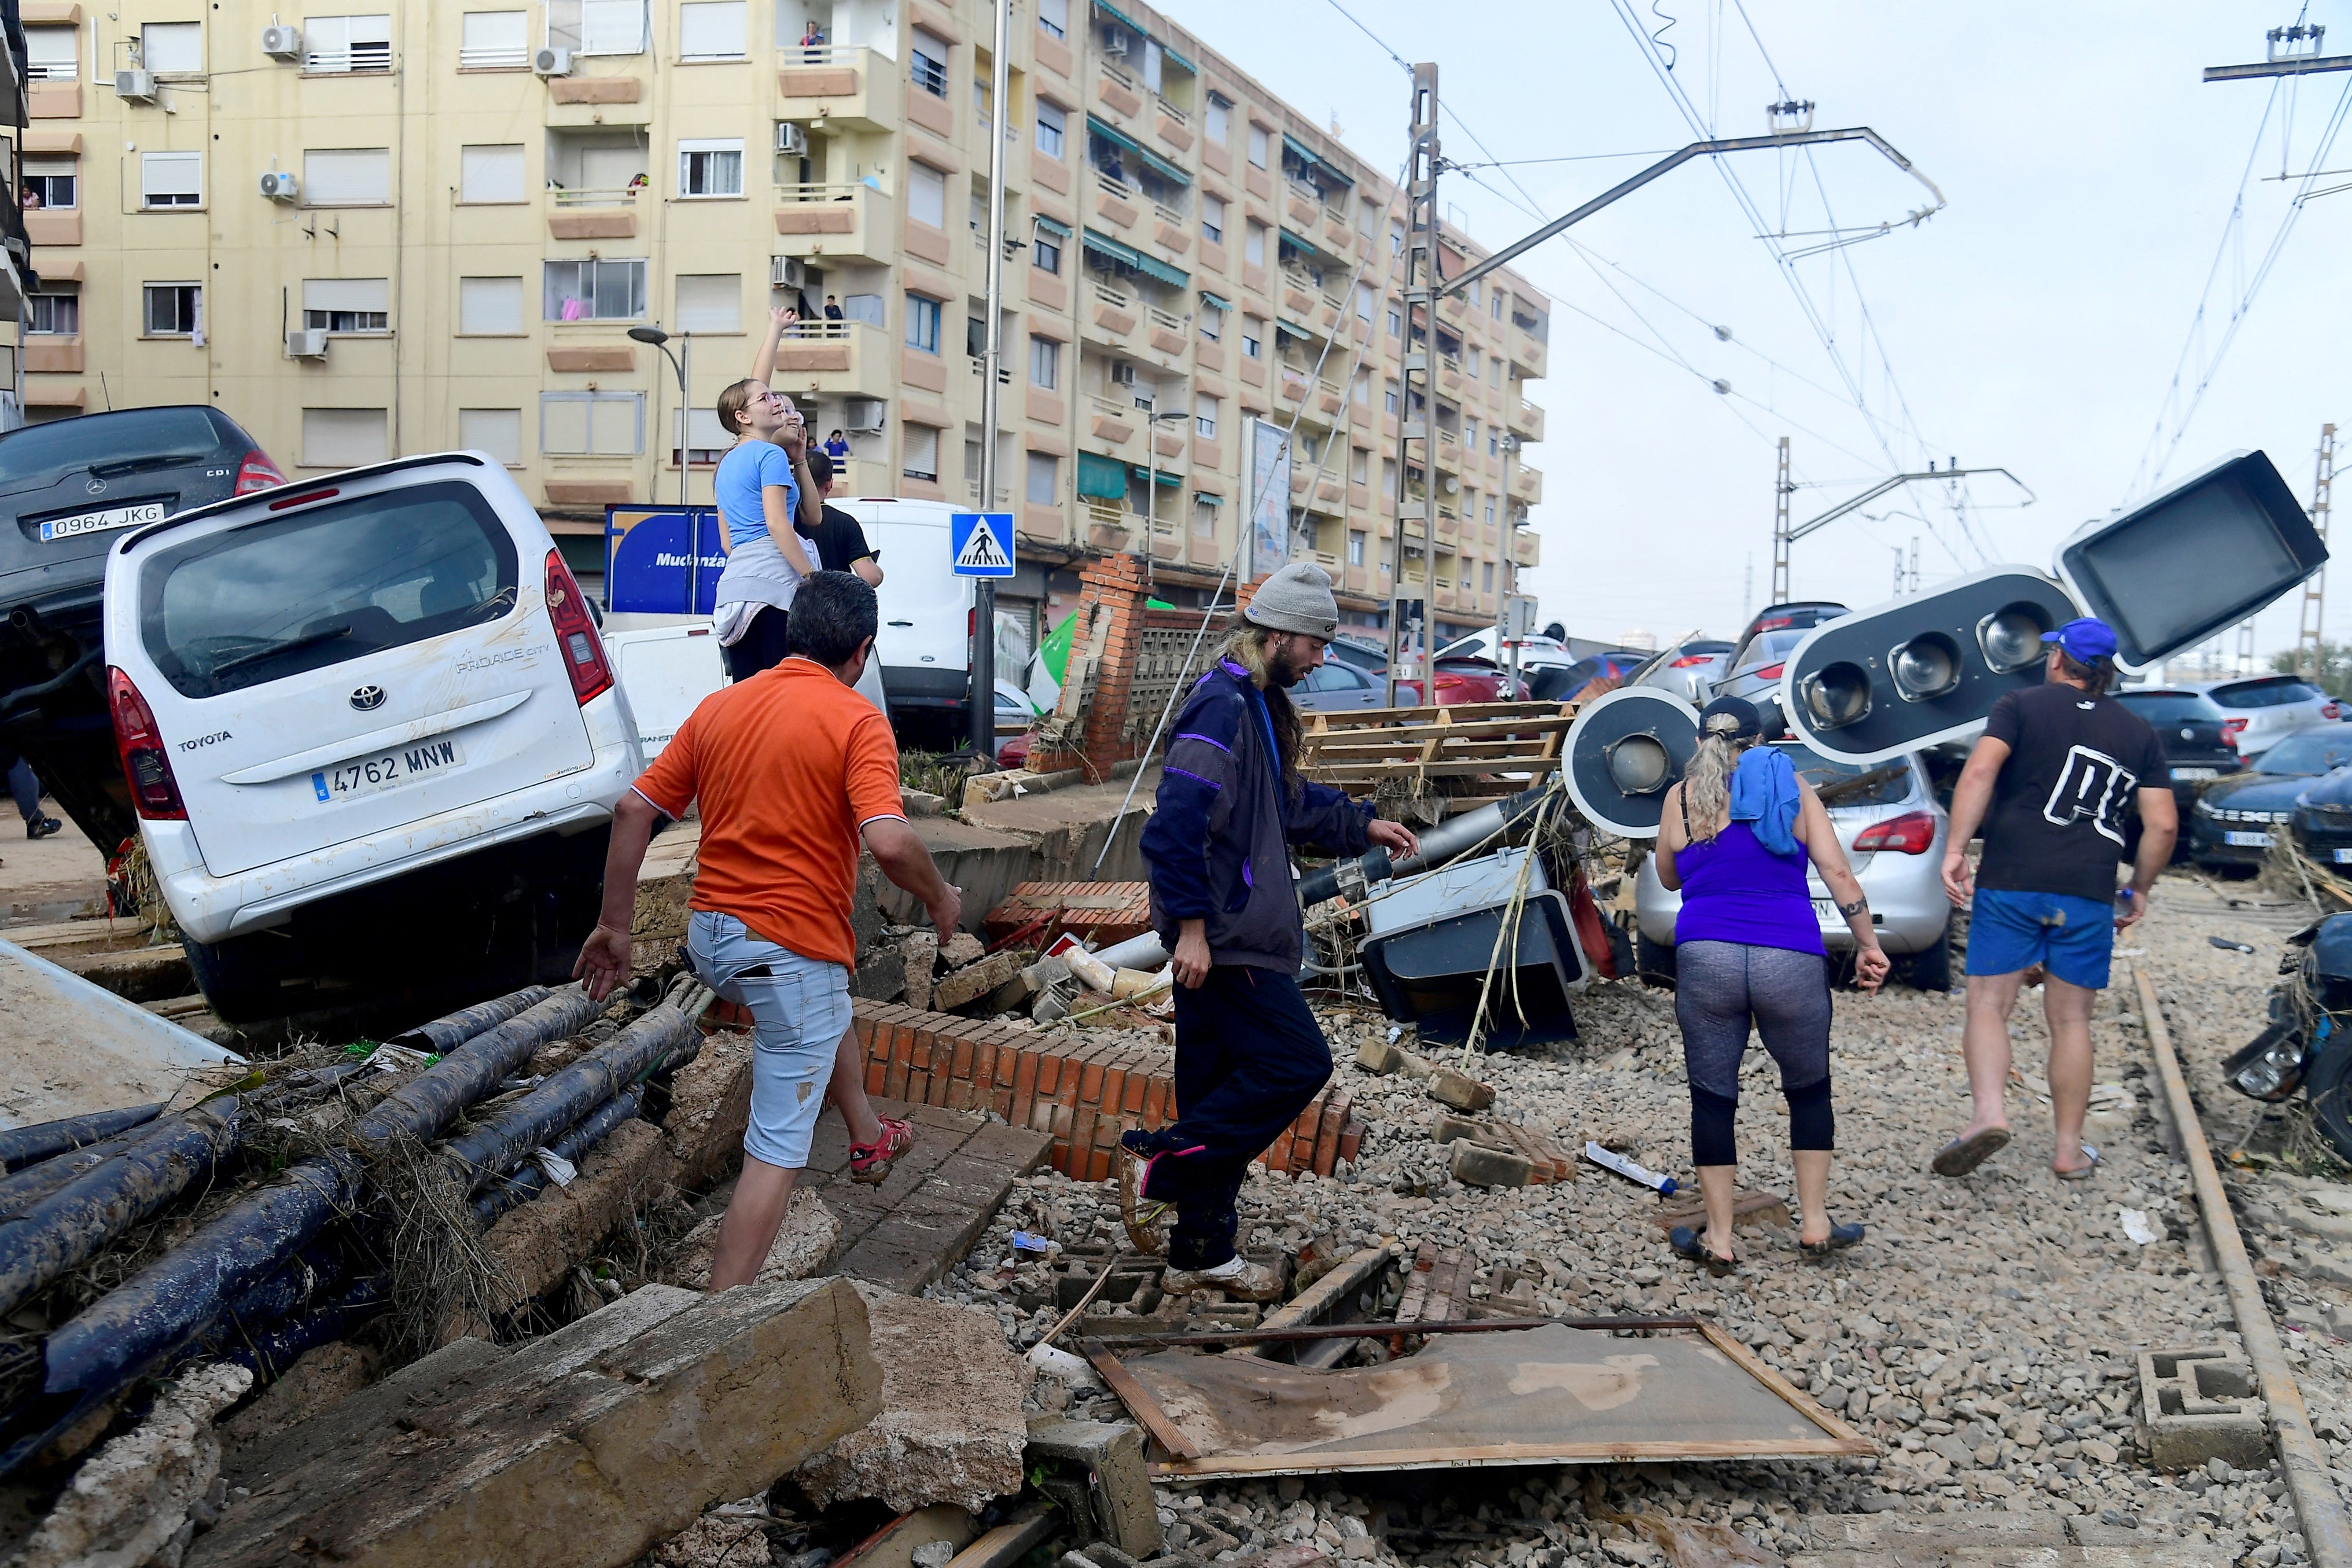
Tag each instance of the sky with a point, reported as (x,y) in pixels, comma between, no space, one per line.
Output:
(2041,322)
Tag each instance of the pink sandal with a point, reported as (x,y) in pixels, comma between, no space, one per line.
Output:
(872,1162)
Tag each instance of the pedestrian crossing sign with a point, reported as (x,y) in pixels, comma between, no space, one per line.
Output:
(983,543)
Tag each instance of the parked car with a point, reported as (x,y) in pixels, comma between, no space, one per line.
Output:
(1335,687)
(2321,824)
(2194,733)
(1555,683)
(1752,670)
(1461,679)
(1888,817)
(2231,823)
(1362,653)
(1687,669)
(2260,710)
(71,487)
(371,733)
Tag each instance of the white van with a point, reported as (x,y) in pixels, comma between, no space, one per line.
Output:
(924,645)
(370,732)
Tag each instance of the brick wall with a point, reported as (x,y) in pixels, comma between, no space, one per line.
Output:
(1083,1093)
(1117,582)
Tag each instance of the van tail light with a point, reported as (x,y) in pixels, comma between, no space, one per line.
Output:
(575,633)
(1688,660)
(146,763)
(258,473)
(1771,672)
(2231,730)
(1913,833)
(2331,711)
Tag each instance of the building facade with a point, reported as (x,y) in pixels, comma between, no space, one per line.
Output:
(367,235)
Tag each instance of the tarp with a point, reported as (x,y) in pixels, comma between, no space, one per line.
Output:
(1306,245)
(1127,255)
(1103,478)
(1137,27)
(1052,226)
(1215,301)
(1166,478)
(1173,173)
(1316,161)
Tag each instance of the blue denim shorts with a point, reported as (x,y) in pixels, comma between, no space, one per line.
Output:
(2072,938)
(799,1010)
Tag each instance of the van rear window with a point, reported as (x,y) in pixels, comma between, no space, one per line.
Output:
(320,586)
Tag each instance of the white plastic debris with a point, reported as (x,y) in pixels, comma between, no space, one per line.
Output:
(2137,1226)
(1610,1160)
(558,1169)
(1061,1363)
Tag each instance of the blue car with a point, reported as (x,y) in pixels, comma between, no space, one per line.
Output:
(2231,823)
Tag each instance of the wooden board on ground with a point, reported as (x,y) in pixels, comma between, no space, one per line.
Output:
(907,1231)
(1749,1206)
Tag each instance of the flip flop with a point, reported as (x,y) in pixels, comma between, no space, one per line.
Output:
(1841,1236)
(1687,1243)
(1962,1155)
(2082,1172)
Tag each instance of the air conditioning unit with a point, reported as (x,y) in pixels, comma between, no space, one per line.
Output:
(1115,43)
(1122,373)
(552,62)
(306,342)
(135,86)
(282,43)
(863,415)
(787,272)
(281,187)
(790,138)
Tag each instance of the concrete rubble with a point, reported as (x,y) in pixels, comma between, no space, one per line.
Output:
(136,1501)
(803,1243)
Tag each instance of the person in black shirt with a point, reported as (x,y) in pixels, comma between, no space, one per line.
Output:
(840,541)
(2059,768)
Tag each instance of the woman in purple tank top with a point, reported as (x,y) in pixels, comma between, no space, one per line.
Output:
(1747,953)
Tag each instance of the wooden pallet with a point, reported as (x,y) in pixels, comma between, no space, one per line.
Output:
(1455,749)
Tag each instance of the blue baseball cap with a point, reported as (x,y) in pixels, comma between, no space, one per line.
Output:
(2085,640)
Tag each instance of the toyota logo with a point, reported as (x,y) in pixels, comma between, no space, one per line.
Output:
(368,698)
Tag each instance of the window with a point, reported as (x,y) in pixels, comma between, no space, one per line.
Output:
(1252,338)
(594,290)
(1205,416)
(1489,575)
(591,424)
(1213,218)
(923,324)
(705,439)
(1204,515)
(1254,243)
(597,26)
(53,53)
(52,182)
(344,438)
(53,315)
(1494,305)
(1470,361)
(1363,302)
(1258,140)
(173,49)
(1053,129)
(497,431)
(1044,363)
(711,301)
(174,309)
(975,345)
(1053,18)
(1490,511)
(1361,389)
(1396,239)
(491,172)
(347,177)
(1213,121)
(339,44)
(927,195)
(171,179)
(1355,547)
(1389,399)
(1045,250)
(1396,322)
(929,71)
(710,168)
(922,460)
(1359,465)
(1213,322)
(711,31)
(1044,478)
(1367,218)
(1494,369)
(1470,433)
(495,40)
(489,306)
(1494,441)
(347,304)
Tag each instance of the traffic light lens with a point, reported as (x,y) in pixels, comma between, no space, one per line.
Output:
(1927,666)
(2012,638)
(1836,696)
(1638,764)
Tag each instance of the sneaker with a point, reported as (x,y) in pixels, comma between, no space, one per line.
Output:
(42,827)
(1237,1277)
(872,1162)
(1146,1220)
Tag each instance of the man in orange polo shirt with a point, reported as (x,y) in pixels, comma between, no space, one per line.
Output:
(792,769)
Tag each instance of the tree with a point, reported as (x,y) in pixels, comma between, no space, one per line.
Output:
(2334,667)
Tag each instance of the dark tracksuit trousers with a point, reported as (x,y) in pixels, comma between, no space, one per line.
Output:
(1249,1057)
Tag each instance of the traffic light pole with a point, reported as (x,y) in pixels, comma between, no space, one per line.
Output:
(983,618)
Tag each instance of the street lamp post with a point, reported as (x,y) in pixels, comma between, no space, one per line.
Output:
(1152,420)
(678,362)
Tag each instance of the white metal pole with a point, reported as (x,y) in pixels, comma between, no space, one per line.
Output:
(983,622)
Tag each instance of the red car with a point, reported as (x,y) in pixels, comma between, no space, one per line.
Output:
(1462,679)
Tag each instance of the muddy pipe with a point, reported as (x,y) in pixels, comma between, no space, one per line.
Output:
(21,1189)
(445,1034)
(1499,821)
(23,1146)
(513,1191)
(173,1299)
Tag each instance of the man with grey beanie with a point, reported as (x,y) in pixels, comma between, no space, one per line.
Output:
(1249,1055)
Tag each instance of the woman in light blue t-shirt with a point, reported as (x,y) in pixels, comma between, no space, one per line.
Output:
(763,489)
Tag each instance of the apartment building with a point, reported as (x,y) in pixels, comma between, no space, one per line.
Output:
(433,226)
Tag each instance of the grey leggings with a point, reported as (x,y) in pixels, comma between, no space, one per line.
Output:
(1720,987)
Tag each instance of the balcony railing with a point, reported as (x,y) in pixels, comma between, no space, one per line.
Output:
(1110,294)
(1119,75)
(971,493)
(617,196)
(820,54)
(1111,185)
(793,193)
(1161,318)
(1173,216)
(1174,113)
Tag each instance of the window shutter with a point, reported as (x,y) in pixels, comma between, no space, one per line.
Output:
(612,27)
(927,195)
(171,173)
(710,302)
(489,305)
(491,174)
(564,423)
(711,29)
(347,294)
(497,431)
(343,437)
(615,425)
(350,176)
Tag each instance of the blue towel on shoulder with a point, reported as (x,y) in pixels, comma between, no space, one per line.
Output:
(1764,794)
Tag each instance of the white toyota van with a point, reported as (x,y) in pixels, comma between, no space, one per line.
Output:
(370,732)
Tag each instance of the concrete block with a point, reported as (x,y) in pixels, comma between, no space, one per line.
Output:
(1460,1090)
(975,981)
(709,1104)
(938,1439)
(921,952)
(129,1502)
(2201,1405)
(805,1239)
(1480,1166)
(716,1541)
(319,1381)
(436,1378)
(1119,1486)
(961,949)
(1451,1126)
(536,1242)
(1380,1057)
(578,1450)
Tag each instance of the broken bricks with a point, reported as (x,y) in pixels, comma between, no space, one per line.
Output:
(2201,1405)
(1106,1482)
(1460,1090)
